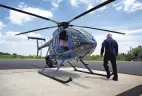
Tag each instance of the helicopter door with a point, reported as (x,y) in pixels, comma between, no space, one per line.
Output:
(61,42)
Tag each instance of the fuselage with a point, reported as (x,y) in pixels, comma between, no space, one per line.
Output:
(81,44)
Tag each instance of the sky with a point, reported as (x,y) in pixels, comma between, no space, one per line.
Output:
(120,15)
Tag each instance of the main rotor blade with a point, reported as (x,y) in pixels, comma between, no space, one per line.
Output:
(98,29)
(36,30)
(92,9)
(11,8)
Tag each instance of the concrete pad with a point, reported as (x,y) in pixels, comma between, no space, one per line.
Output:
(27,82)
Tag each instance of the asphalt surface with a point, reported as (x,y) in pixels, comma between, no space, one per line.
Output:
(133,68)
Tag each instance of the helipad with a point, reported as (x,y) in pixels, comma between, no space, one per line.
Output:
(27,82)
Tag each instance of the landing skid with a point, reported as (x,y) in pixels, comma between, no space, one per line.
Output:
(69,79)
(57,79)
(90,71)
(53,75)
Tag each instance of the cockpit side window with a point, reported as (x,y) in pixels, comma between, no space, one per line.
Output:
(63,40)
(63,35)
(77,38)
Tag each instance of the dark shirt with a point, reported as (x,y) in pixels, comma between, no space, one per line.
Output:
(110,46)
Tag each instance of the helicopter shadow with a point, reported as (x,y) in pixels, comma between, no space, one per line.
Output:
(60,74)
(80,85)
(64,75)
(91,77)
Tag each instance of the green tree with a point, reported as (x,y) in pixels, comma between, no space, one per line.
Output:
(122,57)
(135,54)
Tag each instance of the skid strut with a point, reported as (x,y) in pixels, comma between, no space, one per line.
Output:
(86,65)
(53,76)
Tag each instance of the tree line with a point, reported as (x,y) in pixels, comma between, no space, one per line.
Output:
(16,56)
(135,54)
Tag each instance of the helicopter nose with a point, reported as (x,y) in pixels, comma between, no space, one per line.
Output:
(93,43)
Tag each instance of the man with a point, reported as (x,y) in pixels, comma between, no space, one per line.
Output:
(111,51)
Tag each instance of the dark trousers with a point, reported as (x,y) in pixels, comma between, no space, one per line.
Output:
(112,58)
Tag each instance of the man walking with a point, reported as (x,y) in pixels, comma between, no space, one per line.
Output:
(111,51)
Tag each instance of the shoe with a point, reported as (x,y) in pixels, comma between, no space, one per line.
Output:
(115,78)
(108,75)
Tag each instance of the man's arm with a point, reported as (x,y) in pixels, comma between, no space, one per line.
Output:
(116,48)
(102,49)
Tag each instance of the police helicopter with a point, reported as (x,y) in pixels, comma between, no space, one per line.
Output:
(67,43)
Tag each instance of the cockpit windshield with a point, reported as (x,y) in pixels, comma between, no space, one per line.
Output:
(77,37)
(88,35)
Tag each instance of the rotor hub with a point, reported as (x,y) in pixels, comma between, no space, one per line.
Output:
(63,24)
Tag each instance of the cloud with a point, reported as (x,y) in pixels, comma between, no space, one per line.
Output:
(20,18)
(119,8)
(90,4)
(2,25)
(56,3)
(11,37)
(35,35)
(18,44)
(128,6)
(22,5)
(103,8)
(89,7)
(134,31)
(136,6)
(75,3)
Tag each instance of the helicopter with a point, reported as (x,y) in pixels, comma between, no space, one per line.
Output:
(67,43)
